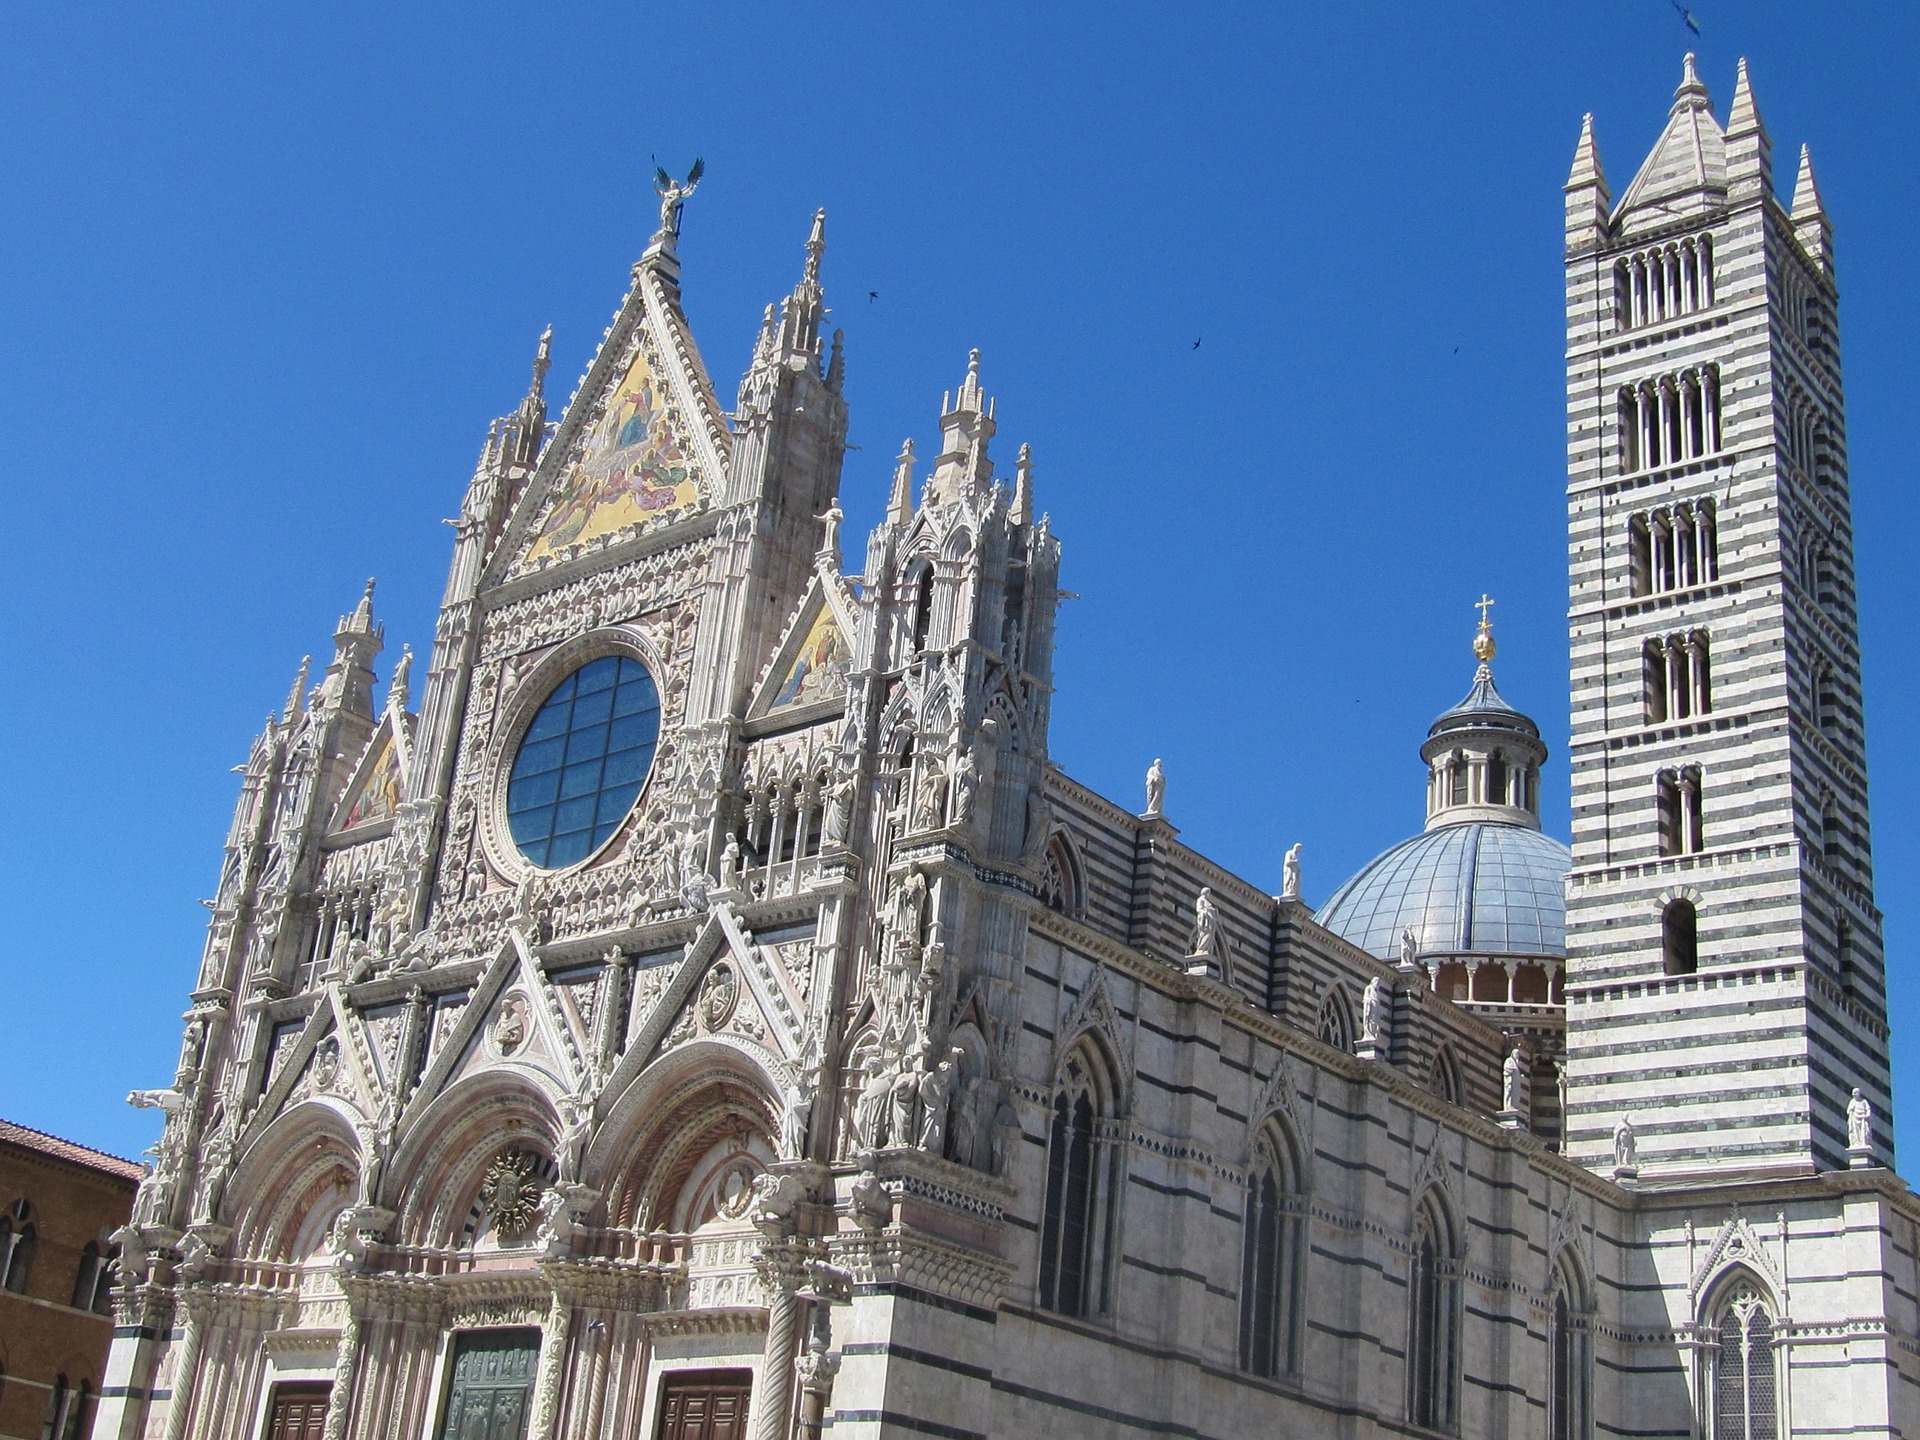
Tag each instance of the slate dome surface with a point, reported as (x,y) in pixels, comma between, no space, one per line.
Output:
(1481,887)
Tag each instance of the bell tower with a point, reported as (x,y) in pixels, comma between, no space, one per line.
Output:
(1725,984)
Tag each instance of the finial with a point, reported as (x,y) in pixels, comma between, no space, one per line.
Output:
(1021,511)
(1743,114)
(816,247)
(298,695)
(1692,94)
(542,359)
(900,505)
(1586,158)
(1806,191)
(1483,646)
(399,688)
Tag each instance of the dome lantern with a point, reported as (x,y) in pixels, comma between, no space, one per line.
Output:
(1483,756)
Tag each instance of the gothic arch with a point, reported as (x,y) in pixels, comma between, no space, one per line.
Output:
(1063,878)
(1443,1075)
(660,1132)
(1083,1180)
(302,1171)
(437,1168)
(1334,1024)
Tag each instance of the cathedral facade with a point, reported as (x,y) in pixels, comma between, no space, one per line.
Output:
(711,1013)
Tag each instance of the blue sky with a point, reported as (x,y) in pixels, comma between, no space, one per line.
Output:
(269,270)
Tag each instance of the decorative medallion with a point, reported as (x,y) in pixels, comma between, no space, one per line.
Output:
(719,994)
(510,1025)
(326,1064)
(510,1195)
(735,1191)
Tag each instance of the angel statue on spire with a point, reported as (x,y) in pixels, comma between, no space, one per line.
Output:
(673,195)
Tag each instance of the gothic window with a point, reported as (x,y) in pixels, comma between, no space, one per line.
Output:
(1059,883)
(58,1398)
(1271,1250)
(93,1285)
(1567,1363)
(1443,1078)
(923,608)
(1826,707)
(1335,1025)
(1679,938)
(1670,419)
(1677,811)
(1432,1350)
(17,1244)
(583,761)
(1745,1389)
(1072,1239)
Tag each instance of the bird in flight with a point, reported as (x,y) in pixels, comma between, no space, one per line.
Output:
(1196,344)
(1686,17)
(872,295)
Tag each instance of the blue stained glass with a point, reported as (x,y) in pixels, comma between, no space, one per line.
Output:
(576,776)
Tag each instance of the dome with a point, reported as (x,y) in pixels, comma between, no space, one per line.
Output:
(1482,887)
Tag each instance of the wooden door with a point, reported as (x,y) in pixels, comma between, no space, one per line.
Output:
(298,1412)
(705,1405)
(491,1389)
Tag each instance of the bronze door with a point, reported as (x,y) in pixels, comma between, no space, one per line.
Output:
(491,1391)
(705,1405)
(298,1412)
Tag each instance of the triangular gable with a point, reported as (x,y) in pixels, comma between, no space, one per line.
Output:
(379,782)
(642,444)
(811,663)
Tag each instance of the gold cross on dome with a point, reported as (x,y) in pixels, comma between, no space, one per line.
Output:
(1483,604)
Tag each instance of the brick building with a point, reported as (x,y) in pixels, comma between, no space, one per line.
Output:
(63,1203)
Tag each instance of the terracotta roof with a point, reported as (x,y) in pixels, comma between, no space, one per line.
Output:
(58,1149)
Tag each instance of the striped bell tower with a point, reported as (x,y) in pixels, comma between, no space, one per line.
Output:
(1725,981)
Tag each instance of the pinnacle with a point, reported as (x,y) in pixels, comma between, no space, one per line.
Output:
(816,247)
(1743,115)
(1806,190)
(1586,158)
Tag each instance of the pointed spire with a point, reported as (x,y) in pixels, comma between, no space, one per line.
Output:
(1806,192)
(1021,511)
(361,621)
(1588,200)
(529,423)
(542,359)
(837,362)
(297,697)
(1586,158)
(1749,147)
(900,504)
(816,247)
(1810,215)
(966,424)
(1743,115)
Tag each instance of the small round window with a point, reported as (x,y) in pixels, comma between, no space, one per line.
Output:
(583,761)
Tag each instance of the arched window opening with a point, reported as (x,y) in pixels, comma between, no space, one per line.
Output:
(93,1284)
(1443,1078)
(1271,1253)
(1639,556)
(1059,881)
(74,1422)
(1678,820)
(19,1242)
(1335,1025)
(1679,938)
(923,608)
(1745,1384)
(1497,779)
(1431,1350)
(58,1400)
(1457,780)
(1567,1365)
(1072,1235)
(1654,664)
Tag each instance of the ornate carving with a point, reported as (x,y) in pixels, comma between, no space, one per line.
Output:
(510,1194)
